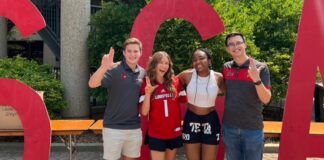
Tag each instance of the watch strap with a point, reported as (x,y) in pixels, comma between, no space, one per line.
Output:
(258,82)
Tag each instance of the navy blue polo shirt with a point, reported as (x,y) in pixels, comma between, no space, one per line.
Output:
(243,108)
(123,87)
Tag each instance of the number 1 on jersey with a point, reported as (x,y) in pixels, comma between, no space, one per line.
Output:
(166,108)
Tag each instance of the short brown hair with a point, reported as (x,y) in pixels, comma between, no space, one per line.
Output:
(133,40)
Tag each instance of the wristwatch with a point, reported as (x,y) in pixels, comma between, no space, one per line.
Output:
(258,82)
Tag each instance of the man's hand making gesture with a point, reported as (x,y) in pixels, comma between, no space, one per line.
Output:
(254,72)
(107,61)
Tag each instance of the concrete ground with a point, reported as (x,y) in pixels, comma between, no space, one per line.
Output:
(93,151)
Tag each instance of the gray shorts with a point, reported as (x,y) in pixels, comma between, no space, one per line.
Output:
(119,142)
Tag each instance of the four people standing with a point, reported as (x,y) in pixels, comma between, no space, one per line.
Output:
(247,84)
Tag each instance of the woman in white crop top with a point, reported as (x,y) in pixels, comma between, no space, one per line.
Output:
(201,127)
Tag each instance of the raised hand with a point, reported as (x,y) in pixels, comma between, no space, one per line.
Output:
(107,61)
(149,89)
(253,71)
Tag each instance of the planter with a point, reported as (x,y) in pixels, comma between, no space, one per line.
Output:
(9,118)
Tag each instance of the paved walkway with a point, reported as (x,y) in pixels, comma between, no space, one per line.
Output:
(89,156)
(94,153)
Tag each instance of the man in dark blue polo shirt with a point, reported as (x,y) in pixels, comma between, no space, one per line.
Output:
(247,88)
(122,135)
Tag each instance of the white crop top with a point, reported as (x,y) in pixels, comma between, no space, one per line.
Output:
(202,91)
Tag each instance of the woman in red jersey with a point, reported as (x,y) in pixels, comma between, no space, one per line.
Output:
(161,94)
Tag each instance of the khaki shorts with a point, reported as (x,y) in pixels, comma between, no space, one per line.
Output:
(119,142)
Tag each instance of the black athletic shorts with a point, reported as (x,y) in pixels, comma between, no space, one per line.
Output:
(203,129)
(157,144)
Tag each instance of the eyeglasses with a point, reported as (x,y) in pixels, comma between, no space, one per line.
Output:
(232,44)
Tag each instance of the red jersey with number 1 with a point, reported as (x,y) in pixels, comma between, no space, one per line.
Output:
(165,115)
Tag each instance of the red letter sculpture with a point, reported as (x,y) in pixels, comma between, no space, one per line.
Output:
(296,142)
(203,17)
(27,103)
(33,115)
(23,14)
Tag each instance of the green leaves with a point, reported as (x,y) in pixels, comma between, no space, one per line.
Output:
(275,34)
(110,27)
(269,26)
(39,77)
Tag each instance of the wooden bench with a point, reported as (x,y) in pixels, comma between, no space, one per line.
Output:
(97,127)
(271,128)
(61,128)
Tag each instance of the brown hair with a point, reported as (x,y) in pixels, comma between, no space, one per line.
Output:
(168,77)
(133,40)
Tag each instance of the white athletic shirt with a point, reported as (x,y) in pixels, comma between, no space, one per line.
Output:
(202,91)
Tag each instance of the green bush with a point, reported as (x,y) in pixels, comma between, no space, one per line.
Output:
(110,27)
(275,34)
(39,77)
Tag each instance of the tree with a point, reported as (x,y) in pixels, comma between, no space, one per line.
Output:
(269,26)
(179,38)
(109,28)
(275,35)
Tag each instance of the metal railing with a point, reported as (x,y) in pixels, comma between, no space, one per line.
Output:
(95,8)
(51,11)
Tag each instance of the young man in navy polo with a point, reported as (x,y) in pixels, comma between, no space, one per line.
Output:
(122,135)
(247,88)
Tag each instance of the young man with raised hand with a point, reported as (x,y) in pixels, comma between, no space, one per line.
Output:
(122,135)
(247,84)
